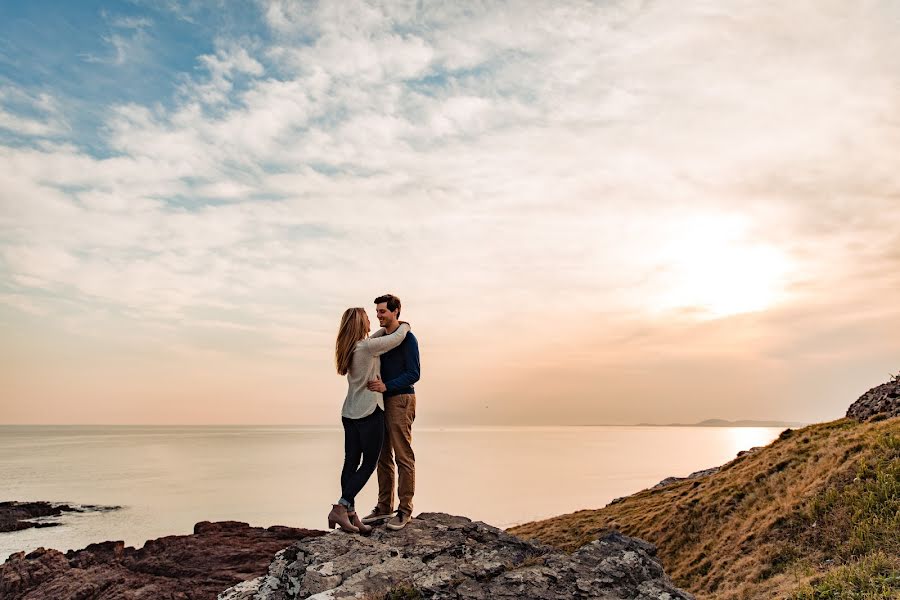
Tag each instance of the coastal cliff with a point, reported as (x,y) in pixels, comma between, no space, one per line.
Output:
(813,515)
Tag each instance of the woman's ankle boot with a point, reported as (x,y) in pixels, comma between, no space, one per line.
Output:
(338,516)
(354,520)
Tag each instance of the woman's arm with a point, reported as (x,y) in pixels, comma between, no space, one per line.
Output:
(411,372)
(376,346)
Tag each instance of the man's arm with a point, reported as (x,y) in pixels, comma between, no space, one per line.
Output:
(412,372)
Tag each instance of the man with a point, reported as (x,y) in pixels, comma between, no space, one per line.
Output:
(399,371)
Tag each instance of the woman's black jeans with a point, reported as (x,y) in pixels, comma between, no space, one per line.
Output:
(362,441)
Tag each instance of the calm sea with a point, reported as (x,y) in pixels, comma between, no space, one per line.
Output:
(168,478)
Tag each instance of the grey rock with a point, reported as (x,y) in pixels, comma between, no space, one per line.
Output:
(694,475)
(881,402)
(752,450)
(445,557)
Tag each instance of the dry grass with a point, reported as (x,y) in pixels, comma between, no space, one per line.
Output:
(403,592)
(817,502)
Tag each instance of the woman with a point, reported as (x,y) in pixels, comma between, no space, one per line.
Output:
(356,356)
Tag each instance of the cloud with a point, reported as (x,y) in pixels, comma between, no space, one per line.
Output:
(128,22)
(31,114)
(575,164)
(128,39)
(25,126)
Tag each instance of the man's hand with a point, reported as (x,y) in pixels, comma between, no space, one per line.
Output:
(377,385)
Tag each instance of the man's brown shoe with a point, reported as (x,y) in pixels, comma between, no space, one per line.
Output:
(399,522)
(377,515)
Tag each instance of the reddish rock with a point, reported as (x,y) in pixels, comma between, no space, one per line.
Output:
(17,515)
(26,572)
(178,567)
(22,515)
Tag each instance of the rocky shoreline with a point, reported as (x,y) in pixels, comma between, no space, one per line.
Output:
(437,556)
(178,567)
(16,516)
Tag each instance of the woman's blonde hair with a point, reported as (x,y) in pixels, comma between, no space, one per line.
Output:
(353,328)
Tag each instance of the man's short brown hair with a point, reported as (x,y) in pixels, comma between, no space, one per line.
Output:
(392,301)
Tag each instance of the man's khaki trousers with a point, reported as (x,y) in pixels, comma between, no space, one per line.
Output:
(399,414)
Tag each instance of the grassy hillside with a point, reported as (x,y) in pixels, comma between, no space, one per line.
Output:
(814,515)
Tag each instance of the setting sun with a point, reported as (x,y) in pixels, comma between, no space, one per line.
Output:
(712,270)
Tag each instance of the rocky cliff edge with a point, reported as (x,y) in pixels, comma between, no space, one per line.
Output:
(440,556)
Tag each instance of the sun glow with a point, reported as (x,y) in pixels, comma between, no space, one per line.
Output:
(711,269)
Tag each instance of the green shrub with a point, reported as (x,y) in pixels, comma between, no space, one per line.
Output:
(863,516)
(876,577)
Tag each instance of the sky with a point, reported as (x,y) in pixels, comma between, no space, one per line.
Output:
(593,212)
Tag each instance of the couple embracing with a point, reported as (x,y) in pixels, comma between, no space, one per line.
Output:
(378,414)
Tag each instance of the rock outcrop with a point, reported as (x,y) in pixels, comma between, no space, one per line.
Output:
(182,567)
(881,402)
(445,557)
(15,516)
(694,475)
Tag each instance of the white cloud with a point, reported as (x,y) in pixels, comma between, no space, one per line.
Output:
(125,22)
(31,114)
(26,126)
(128,40)
(509,155)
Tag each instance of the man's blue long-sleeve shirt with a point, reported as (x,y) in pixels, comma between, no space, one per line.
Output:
(400,367)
